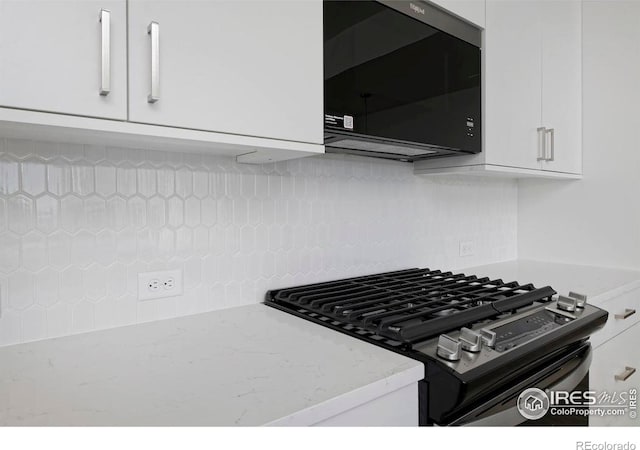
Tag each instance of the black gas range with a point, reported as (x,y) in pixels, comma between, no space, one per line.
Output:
(482,341)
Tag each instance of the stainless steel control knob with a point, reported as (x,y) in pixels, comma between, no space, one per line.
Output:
(448,348)
(581,299)
(568,304)
(471,340)
(488,337)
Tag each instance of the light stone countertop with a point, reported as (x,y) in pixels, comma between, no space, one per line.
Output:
(598,283)
(251,365)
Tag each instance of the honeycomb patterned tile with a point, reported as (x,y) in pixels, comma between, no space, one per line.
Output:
(147,180)
(20,214)
(200,184)
(126,180)
(78,223)
(175,212)
(47,287)
(137,211)
(116,212)
(184,182)
(9,178)
(59,249)
(105,247)
(209,211)
(96,212)
(72,213)
(166,179)
(225,210)
(10,253)
(59,177)
(82,248)
(105,179)
(201,241)
(82,178)
(34,251)
(47,213)
(21,290)
(3,215)
(94,282)
(32,174)
(192,212)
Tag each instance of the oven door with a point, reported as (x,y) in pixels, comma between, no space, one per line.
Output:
(567,373)
(388,75)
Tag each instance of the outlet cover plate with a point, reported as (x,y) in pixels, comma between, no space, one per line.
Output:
(161,284)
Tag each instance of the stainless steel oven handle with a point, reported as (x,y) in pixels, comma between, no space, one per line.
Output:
(511,416)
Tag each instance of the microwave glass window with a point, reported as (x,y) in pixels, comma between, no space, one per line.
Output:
(396,77)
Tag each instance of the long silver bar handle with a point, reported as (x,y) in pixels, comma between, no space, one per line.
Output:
(105,50)
(552,144)
(542,144)
(154,32)
(628,371)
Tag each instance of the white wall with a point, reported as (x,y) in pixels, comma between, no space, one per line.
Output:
(77,224)
(596,220)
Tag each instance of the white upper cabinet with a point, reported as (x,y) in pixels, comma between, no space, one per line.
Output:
(470,10)
(562,83)
(533,93)
(513,85)
(53,55)
(251,68)
(532,121)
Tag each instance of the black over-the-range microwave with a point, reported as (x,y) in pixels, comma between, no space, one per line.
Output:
(402,80)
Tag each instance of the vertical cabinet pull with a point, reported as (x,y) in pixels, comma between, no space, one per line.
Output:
(628,371)
(105,50)
(154,33)
(542,144)
(552,146)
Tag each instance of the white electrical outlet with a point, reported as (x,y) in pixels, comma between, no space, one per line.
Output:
(466,248)
(166,283)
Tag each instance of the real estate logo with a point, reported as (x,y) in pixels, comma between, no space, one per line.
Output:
(533,403)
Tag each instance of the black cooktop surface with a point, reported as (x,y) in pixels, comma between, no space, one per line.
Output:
(409,306)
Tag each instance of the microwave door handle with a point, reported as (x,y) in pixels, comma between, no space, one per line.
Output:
(511,416)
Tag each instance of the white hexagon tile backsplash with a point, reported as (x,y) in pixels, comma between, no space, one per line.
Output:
(78,223)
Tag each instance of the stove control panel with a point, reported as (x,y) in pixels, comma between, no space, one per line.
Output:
(526,328)
(475,345)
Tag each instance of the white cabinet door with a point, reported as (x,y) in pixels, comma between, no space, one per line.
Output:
(470,10)
(609,360)
(243,67)
(513,103)
(562,82)
(51,58)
